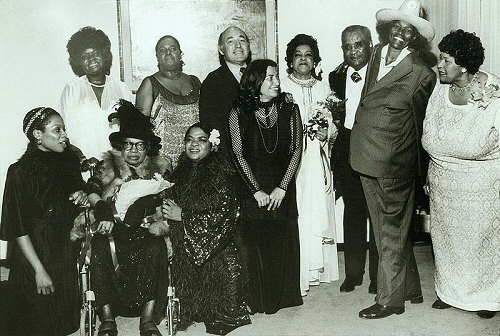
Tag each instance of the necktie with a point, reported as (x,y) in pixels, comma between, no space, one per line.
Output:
(242,70)
(355,77)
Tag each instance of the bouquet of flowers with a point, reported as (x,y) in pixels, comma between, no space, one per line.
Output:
(324,112)
(483,96)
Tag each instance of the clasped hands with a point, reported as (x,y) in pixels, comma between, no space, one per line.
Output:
(273,201)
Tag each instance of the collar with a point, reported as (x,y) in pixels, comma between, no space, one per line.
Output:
(383,53)
(235,69)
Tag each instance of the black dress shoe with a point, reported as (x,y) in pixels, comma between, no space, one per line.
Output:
(438,304)
(372,289)
(486,313)
(414,297)
(380,311)
(349,285)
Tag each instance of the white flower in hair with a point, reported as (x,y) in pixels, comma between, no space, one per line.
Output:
(214,137)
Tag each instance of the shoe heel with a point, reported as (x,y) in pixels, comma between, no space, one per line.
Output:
(418,299)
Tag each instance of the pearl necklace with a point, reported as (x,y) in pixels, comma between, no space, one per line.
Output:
(460,89)
(96,85)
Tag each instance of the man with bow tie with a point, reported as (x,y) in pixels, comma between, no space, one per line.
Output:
(347,82)
(220,88)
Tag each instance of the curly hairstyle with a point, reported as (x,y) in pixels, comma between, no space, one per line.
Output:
(418,43)
(37,119)
(465,48)
(250,84)
(88,37)
(298,40)
(204,126)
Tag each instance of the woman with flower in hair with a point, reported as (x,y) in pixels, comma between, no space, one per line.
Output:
(40,202)
(202,209)
(315,194)
(87,101)
(461,135)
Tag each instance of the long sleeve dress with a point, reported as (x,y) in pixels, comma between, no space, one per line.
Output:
(464,185)
(207,268)
(315,195)
(36,203)
(267,156)
(87,122)
(142,257)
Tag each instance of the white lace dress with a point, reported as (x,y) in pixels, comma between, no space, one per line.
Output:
(86,122)
(315,198)
(464,182)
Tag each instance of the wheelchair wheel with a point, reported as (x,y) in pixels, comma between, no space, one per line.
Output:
(172,315)
(88,321)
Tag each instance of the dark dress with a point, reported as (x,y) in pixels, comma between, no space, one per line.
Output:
(267,156)
(36,204)
(142,257)
(206,268)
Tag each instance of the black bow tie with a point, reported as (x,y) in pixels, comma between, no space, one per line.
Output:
(355,77)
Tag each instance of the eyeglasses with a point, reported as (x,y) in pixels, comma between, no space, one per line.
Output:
(140,146)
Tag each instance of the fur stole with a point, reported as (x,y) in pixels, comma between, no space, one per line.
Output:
(113,170)
(199,186)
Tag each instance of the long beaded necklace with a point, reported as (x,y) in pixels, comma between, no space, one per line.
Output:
(273,117)
(460,89)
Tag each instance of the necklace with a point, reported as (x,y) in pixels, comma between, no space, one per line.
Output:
(97,85)
(262,116)
(264,141)
(308,83)
(460,89)
(262,125)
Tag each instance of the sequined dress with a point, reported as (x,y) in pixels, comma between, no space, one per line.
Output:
(464,182)
(142,257)
(35,203)
(267,154)
(172,114)
(207,253)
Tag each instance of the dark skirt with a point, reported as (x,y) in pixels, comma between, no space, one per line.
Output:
(36,314)
(143,272)
(273,264)
(213,293)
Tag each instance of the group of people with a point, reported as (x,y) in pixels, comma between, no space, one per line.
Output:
(232,181)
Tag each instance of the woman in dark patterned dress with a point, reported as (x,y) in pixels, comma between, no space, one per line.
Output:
(42,191)
(140,284)
(203,209)
(266,145)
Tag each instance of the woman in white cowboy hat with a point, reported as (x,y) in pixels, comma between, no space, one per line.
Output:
(386,150)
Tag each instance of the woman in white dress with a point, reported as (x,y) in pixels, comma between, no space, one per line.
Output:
(315,195)
(87,102)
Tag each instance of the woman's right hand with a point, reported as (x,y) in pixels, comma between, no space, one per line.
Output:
(44,284)
(262,198)
(105,227)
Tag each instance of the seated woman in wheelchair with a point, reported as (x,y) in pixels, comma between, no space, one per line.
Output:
(129,264)
(202,209)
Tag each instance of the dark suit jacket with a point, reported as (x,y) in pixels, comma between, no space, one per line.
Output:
(385,138)
(217,94)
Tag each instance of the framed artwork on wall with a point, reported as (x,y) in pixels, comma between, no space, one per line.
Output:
(196,24)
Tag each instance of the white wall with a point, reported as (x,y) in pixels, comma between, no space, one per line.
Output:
(34,60)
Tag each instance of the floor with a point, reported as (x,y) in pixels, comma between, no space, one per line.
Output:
(326,311)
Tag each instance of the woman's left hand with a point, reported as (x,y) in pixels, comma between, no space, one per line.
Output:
(276,197)
(322,133)
(171,210)
(79,198)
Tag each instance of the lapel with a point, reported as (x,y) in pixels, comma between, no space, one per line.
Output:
(228,76)
(402,69)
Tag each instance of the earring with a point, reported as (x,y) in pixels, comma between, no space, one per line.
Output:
(464,70)
(39,142)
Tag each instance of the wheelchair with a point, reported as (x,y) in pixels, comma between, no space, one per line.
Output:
(173,309)
(88,310)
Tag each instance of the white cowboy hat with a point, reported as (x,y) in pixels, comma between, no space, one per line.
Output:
(409,12)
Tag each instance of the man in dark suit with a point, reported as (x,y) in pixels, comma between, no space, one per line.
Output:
(386,151)
(220,88)
(347,82)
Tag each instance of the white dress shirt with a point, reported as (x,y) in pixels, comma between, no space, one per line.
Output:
(353,95)
(384,69)
(235,70)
